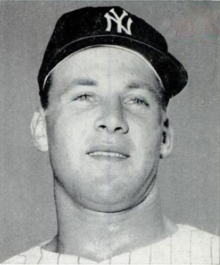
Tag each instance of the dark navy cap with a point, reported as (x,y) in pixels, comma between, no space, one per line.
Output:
(93,26)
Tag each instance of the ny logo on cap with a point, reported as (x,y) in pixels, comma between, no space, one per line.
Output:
(118,20)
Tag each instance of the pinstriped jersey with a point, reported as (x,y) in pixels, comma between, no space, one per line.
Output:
(187,246)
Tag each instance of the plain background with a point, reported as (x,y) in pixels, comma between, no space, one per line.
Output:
(189,179)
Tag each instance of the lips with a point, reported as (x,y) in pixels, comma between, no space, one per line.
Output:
(108,151)
(107,154)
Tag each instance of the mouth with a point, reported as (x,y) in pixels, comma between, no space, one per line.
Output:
(108,154)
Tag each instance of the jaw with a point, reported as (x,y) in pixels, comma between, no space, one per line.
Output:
(114,186)
(125,230)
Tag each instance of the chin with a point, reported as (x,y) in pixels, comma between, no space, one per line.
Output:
(107,201)
(107,207)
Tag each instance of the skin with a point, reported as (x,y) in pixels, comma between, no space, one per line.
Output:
(105,132)
(104,105)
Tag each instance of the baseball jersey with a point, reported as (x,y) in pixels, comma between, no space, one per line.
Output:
(187,246)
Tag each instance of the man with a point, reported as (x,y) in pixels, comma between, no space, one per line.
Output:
(105,83)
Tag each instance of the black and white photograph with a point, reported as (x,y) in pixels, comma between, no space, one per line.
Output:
(110,132)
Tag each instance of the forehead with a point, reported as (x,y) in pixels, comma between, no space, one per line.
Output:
(105,62)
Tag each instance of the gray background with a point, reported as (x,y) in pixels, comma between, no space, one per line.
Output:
(189,179)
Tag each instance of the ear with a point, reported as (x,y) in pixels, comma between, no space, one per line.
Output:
(167,139)
(39,131)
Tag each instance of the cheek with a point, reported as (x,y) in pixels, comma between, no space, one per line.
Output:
(66,132)
(147,128)
(66,148)
(147,137)
(150,147)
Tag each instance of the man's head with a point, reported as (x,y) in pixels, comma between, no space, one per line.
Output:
(104,122)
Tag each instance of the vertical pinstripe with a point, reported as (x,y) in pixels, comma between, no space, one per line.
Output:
(190,248)
(211,250)
(58,259)
(171,250)
(40,256)
(150,255)
(129,260)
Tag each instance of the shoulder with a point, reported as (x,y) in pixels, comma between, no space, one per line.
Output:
(190,231)
(38,255)
(202,247)
(188,245)
(195,237)
(35,255)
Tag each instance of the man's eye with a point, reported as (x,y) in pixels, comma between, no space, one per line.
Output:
(83,97)
(138,101)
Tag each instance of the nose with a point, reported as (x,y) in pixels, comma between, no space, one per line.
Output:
(111,118)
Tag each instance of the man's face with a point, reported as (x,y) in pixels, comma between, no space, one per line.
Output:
(104,127)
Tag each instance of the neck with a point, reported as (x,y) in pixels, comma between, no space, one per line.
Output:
(98,236)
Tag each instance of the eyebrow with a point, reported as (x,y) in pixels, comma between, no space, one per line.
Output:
(84,82)
(90,82)
(137,85)
(80,82)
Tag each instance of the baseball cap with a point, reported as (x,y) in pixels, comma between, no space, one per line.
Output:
(112,25)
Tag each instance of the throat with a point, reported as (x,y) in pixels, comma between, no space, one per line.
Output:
(99,236)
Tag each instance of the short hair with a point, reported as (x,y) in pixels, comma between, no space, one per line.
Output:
(44,94)
(161,95)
